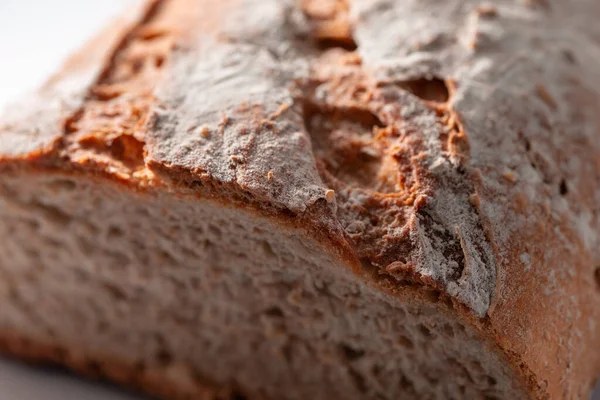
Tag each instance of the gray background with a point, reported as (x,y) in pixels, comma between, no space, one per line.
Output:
(35,35)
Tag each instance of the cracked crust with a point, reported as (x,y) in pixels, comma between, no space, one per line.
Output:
(448,144)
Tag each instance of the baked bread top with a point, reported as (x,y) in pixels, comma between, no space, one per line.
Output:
(448,144)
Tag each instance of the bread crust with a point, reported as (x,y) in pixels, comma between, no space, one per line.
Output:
(152,380)
(481,153)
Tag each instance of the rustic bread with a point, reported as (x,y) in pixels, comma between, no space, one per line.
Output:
(313,200)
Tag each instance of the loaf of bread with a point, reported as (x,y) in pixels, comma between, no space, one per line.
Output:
(326,199)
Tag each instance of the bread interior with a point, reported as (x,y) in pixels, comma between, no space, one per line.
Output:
(190,291)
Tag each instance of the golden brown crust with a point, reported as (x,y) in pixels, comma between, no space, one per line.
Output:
(415,164)
(32,127)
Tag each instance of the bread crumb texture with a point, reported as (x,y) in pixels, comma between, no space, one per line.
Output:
(432,136)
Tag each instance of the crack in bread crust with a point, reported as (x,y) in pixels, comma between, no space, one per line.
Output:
(482,155)
(108,128)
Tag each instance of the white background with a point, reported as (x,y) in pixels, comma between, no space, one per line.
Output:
(35,36)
